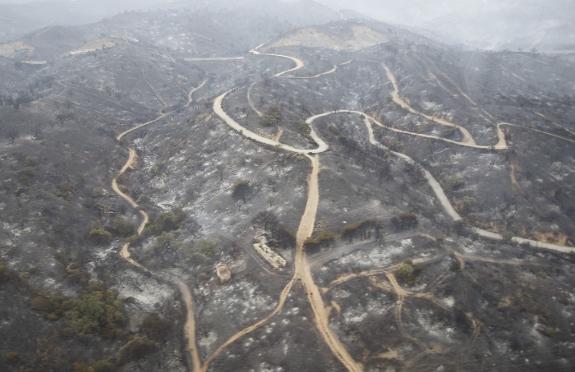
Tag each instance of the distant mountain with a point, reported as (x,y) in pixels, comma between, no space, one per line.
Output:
(489,24)
(514,25)
(17,20)
(191,28)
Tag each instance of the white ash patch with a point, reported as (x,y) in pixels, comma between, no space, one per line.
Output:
(354,315)
(293,311)
(340,293)
(167,204)
(239,300)
(285,346)
(455,158)
(207,341)
(102,254)
(5,323)
(435,329)
(265,367)
(14,230)
(535,331)
(380,256)
(378,308)
(431,106)
(269,328)
(248,342)
(449,301)
(147,293)
(502,347)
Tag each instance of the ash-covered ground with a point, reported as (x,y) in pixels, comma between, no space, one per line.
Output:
(361,198)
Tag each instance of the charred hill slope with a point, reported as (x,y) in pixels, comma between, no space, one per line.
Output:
(156,164)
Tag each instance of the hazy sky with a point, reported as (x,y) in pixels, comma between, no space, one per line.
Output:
(409,11)
(488,20)
(420,11)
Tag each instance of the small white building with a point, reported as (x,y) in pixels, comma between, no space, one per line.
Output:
(268,254)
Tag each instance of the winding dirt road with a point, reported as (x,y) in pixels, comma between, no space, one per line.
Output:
(120,136)
(260,323)
(190,326)
(218,109)
(440,192)
(333,70)
(185,292)
(303,272)
(298,62)
(302,269)
(467,138)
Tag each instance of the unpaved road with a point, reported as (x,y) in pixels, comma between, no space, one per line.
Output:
(467,138)
(137,127)
(218,109)
(125,251)
(190,326)
(162,116)
(302,266)
(303,272)
(279,307)
(298,62)
(185,292)
(302,269)
(333,70)
(440,192)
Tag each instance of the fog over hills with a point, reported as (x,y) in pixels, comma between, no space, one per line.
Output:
(492,24)
(24,16)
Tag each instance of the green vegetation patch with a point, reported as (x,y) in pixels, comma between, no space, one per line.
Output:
(321,238)
(95,312)
(137,348)
(166,222)
(3,272)
(100,236)
(123,227)
(407,273)
(207,248)
(303,128)
(272,118)
(156,328)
